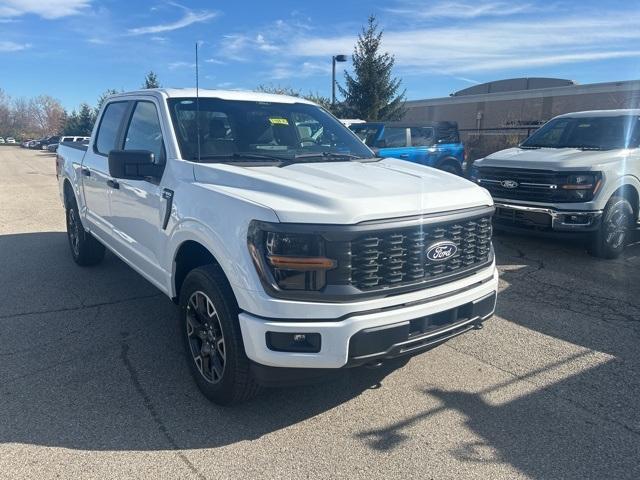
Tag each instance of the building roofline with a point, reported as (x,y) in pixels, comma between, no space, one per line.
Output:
(604,87)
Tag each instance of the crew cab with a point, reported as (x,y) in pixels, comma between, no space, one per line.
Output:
(435,144)
(289,256)
(578,174)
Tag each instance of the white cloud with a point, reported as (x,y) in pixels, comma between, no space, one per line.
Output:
(49,9)
(215,61)
(461,9)
(284,71)
(271,38)
(176,65)
(189,18)
(494,46)
(6,46)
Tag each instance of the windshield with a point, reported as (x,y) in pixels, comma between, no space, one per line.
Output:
(598,133)
(233,130)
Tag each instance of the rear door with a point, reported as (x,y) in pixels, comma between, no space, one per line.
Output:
(394,142)
(95,169)
(136,205)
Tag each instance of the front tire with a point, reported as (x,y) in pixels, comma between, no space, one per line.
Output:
(612,236)
(212,337)
(85,249)
(451,168)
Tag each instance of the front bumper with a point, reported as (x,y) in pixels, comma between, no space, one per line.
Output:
(546,218)
(356,338)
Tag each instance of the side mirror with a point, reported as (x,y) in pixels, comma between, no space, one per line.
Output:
(133,164)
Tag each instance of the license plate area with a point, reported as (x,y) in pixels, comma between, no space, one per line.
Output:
(523,217)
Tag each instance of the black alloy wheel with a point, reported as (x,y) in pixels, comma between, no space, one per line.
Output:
(206,337)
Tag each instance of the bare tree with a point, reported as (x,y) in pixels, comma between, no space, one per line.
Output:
(22,124)
(5,114)
(48,114)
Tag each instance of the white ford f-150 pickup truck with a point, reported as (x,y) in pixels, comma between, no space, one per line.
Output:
(289,247)
(578,174)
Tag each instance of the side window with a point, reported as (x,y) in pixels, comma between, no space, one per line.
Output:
(109,125)
(144,132)
(395,137)
(422,136)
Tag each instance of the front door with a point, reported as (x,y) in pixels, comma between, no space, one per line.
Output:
(95,170)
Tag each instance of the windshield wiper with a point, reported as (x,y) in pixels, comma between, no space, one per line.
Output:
(584,147)
(529,147)
(322,157)
(242,157)
(325,155)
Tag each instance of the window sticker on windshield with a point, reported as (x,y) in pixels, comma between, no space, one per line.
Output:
(584,125)
(278,121)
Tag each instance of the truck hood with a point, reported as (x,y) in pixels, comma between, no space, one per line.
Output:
(553,158)
(344,192)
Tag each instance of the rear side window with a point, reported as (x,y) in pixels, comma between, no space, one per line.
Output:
(422,136)
(144,132)
(109,125)
(395,137)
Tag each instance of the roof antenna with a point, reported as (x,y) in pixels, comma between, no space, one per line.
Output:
(197,103)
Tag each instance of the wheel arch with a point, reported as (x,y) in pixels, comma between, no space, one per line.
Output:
(630,193)
(68,193)
(189,255)
(450,160)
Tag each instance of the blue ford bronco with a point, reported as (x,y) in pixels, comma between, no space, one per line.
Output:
(435,144)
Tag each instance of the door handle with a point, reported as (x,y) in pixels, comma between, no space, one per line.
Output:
(85,171)
(404,155)
(113,184)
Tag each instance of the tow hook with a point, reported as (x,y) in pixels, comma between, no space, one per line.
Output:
(478,326)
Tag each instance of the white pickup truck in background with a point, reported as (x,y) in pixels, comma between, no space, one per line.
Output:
(289,247)
(578,174)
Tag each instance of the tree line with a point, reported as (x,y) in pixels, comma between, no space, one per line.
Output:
(43,116)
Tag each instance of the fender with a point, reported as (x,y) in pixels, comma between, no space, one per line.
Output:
(612,185)
(233,257)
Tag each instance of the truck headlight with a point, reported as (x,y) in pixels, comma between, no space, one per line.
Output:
(289,260)
(582,187)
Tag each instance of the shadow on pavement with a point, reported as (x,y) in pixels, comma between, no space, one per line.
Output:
(91,359)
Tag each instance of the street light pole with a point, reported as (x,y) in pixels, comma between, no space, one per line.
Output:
(334,59)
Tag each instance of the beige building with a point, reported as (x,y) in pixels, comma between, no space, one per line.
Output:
(495,115)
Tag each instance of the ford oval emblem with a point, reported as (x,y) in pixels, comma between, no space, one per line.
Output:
(441,251)
(509,184)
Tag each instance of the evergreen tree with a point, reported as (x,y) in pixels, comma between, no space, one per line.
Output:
(71,124)
(102,98)
(372,93)
(86,119)
(151,80)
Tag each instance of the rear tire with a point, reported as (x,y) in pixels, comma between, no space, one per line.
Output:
(85,249)
(612,236)
(212,337)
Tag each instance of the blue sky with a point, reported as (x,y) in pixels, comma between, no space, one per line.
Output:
(76,49)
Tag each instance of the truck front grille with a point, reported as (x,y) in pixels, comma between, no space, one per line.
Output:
(532,185)
(389,258)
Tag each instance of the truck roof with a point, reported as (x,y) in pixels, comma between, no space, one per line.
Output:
(221,94)
(602,113)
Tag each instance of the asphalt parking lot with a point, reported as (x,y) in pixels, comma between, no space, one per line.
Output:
(93,383)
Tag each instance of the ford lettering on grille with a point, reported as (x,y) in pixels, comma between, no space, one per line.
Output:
(441,251)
